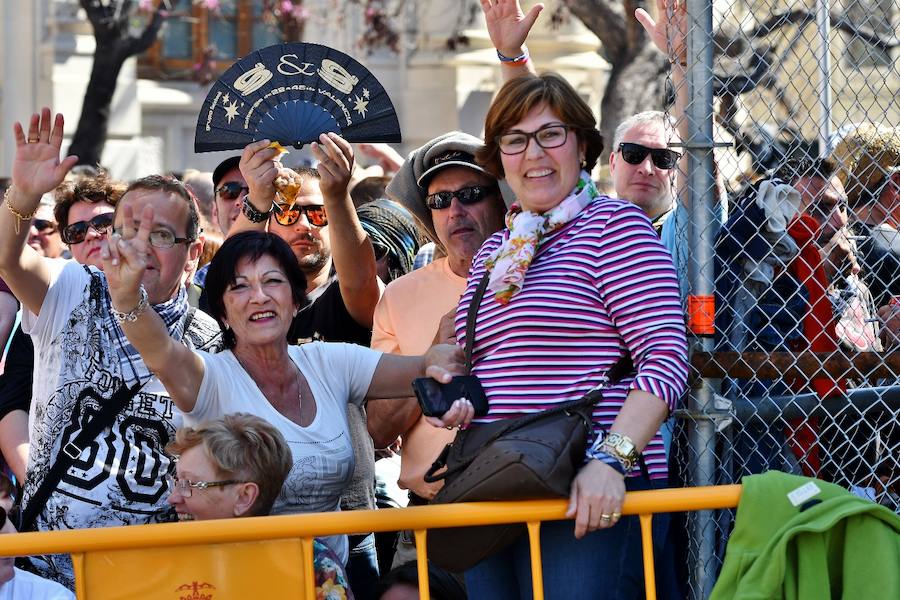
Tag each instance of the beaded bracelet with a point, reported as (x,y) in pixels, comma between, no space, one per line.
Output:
(514,61)
(19,216)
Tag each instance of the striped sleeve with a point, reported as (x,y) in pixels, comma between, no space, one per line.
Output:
(639,286)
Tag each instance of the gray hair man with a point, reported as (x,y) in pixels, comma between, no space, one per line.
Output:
(644,171)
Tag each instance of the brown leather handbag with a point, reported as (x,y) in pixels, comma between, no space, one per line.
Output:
(531,457)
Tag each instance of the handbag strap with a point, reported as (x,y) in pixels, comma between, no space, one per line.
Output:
(70,452)
(471,315)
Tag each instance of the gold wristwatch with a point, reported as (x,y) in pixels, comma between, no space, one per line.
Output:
(622,449)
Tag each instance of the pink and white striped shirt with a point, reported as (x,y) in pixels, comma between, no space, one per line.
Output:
(601,284)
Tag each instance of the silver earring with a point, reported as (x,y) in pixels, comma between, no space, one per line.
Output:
(225,325)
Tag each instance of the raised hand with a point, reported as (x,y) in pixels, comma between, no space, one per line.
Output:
(388,158)
(507,25)
(335,156)
(669,34)
(36,166)
(124,254)
(259,165)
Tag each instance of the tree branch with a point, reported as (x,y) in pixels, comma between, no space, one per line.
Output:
(138,45)
(840,22)
(606,20)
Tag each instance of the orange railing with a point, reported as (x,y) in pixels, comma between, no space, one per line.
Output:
(261,555)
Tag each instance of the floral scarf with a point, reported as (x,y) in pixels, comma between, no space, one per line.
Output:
(527,230)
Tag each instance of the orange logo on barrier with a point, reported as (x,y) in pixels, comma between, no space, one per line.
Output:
(195,588)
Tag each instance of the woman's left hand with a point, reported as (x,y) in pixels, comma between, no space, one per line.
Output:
(442,362)
(595,501)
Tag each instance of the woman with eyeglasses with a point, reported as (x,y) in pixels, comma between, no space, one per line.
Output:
(235,466)
(577,280)
(255,287)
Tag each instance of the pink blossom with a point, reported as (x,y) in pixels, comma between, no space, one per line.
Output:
(212,5)
(301,13)
(287,7)
(145,6)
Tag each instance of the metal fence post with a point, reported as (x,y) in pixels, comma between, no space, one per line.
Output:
(702,202)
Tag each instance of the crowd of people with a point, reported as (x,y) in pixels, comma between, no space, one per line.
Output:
(260,327)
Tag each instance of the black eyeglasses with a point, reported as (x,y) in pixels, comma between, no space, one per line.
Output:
(186,487)
(466,195)
(74,233)
(161,238)
(634,154)
(232,190)
(288,214)
(44,226)
(548,136)
(12,515)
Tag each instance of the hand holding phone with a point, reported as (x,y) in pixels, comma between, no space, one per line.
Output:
(436,398)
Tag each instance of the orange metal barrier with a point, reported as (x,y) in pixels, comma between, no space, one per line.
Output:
(240,558)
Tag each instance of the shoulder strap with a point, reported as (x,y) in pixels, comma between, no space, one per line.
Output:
(471,315)
(70,452)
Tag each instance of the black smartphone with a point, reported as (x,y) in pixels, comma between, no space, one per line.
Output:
(435,397)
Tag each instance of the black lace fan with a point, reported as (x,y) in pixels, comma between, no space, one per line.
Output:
(292,93)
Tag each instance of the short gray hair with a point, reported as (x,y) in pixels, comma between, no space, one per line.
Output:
(655,117)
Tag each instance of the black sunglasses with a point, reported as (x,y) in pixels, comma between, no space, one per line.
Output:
(288,214)
(634,154)
(12,515)
(466,195)
(74,233)
(232,190)
(43,225)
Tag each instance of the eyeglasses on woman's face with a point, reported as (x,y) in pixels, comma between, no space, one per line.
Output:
(186,487)
(75,233)
(231,190)
(634,154)
(552,135)
(288,214)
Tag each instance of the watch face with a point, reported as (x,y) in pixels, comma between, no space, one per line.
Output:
(622,445)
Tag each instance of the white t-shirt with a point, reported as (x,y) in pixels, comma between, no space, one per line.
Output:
(118,479)
(27,586)
(323,454)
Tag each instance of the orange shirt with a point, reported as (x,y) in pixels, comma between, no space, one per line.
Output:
(406,320)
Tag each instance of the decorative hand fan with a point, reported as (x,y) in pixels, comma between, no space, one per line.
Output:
(291,93)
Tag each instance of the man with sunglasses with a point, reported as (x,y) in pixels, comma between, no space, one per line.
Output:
(230,188)
(459,205)
(85,362)
(644,170)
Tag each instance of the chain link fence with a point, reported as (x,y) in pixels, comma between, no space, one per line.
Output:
(793,192)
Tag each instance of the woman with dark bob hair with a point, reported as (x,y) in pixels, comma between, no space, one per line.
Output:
(577,280)
(255,288)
